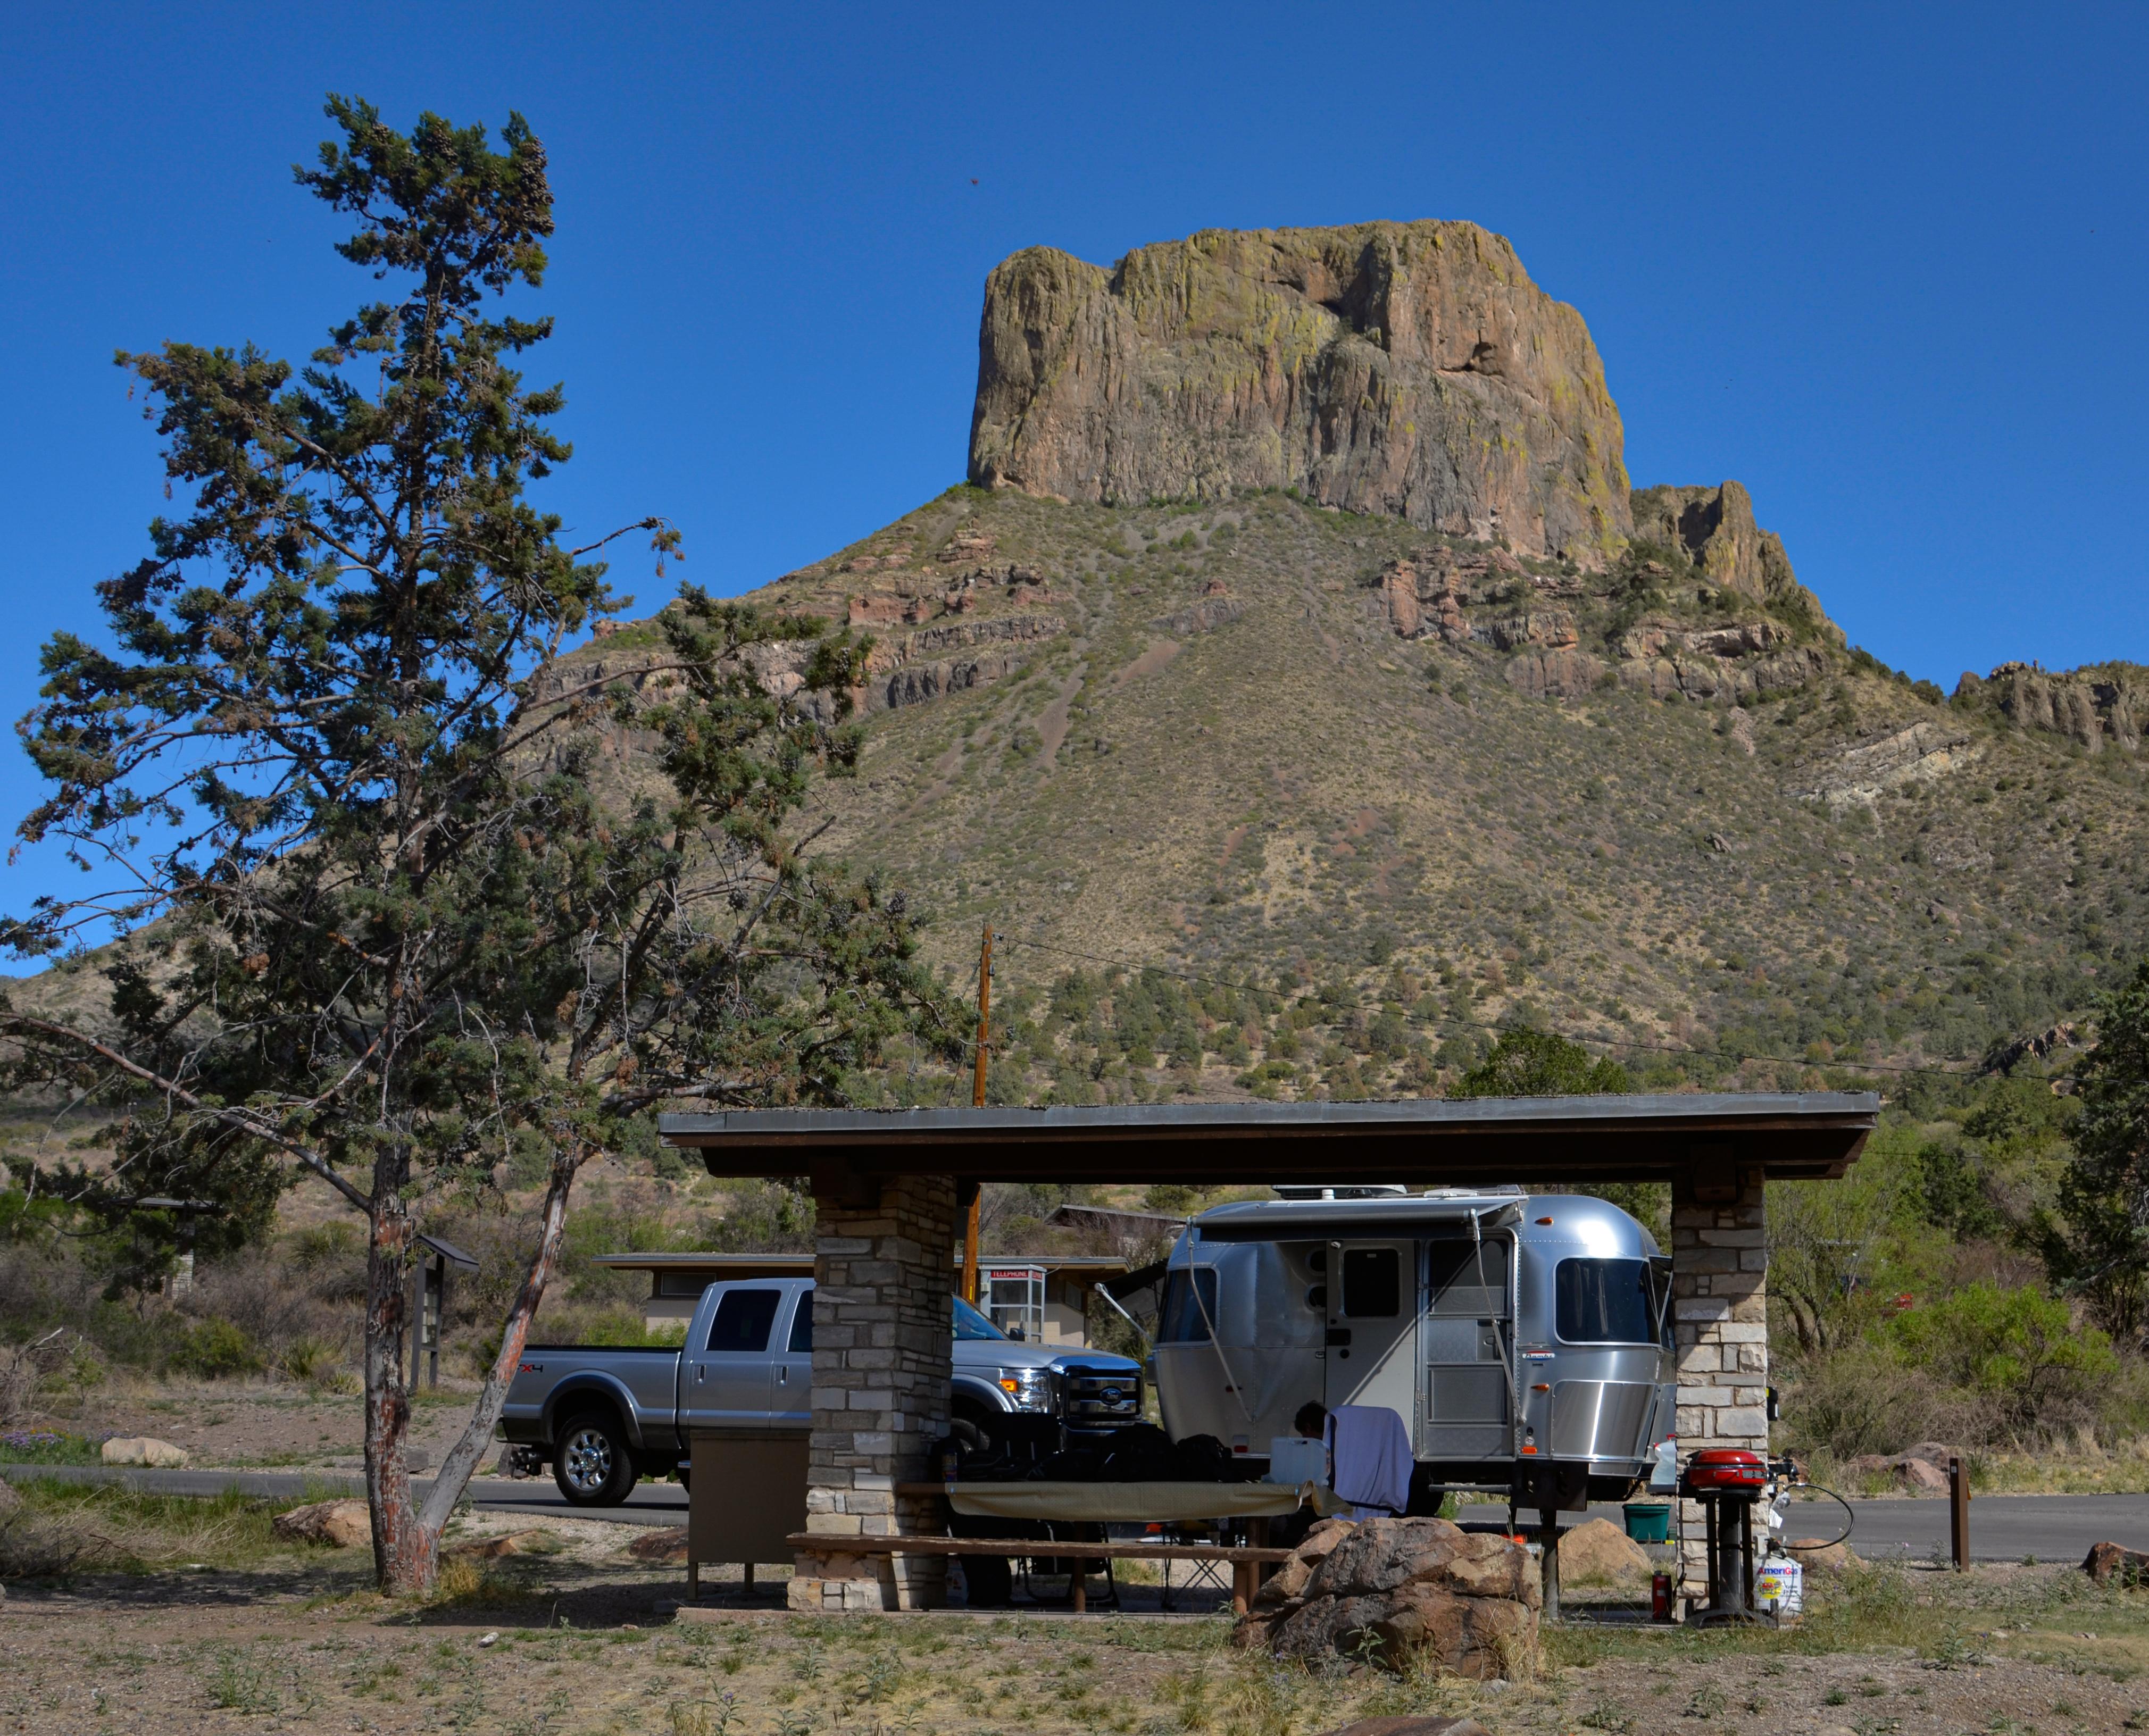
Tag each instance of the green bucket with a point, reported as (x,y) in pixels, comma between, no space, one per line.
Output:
(1648,1521)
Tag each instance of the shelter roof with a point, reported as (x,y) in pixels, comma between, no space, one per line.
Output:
(801,1266)
(1789,1135)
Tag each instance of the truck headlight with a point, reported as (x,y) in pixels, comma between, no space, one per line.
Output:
(1029,1389)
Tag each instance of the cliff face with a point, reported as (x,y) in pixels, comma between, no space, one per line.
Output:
(1715,529)
(1411,369)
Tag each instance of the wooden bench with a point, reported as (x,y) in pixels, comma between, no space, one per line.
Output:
(1245,1560)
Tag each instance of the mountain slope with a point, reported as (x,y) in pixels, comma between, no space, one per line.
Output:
(1407,700)
(1264,741)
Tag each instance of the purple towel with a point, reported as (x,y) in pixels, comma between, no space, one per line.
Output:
(1369,1450)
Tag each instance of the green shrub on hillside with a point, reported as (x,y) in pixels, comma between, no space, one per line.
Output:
(1529,1063)
(2019,1349)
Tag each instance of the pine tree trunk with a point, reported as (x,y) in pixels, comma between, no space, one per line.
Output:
(456,1470)
(405,1555)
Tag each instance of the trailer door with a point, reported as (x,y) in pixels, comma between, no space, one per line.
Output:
(1468,1332)
(1373,1301)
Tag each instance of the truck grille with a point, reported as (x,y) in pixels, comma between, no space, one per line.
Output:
(1100,1397)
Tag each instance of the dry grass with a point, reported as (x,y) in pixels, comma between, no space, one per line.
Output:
(78,1528)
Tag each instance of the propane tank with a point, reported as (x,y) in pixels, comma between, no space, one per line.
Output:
(1780,1587)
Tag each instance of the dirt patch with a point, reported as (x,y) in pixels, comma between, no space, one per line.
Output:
(1148,663)
(226,1425)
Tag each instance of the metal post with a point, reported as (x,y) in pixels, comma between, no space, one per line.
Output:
(977,1101)
(1746,1553)
(417,1318)
(1548,1560)
(1958,1512)
(437,1282)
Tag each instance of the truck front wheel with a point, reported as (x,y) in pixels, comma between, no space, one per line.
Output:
(591,1463)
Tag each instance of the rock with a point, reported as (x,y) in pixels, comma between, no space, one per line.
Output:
(1406,368)
(336,1524)
(1815,1555)
(9,1499)
(2003,1056)
(1213,610)
(2110,1561)
(142,1450)
(533,1541)
(1289,1581)
(1936,1453)
(1716,530)
(1922,754)
(1555,674)
(667,1545)
(1412,1725)
(1919,1477)
(1598,1552)
(1399,1589)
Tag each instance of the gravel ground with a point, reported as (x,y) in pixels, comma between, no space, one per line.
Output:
(585,1639)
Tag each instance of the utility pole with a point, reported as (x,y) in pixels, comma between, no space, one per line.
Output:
(977,1101)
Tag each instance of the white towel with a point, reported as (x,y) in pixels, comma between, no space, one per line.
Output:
(1372,1457)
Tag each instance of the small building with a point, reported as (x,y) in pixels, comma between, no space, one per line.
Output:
(1042,1298)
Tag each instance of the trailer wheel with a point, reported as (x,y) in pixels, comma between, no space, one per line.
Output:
(592,1463)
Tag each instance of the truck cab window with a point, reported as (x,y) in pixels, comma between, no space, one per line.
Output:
(1372,1283)
(1605,1302)
(744,1318)
(801,1324)
(970,1324)
(1184,1316)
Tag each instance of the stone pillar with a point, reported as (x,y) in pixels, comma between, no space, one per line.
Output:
(1720,1310)
(881,1341)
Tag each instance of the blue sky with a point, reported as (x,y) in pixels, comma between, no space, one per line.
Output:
(1885,268)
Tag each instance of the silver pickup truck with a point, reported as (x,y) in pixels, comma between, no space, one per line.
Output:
(606,1416)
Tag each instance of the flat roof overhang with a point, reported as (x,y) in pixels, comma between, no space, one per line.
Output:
(1789,1135)
(801,1266)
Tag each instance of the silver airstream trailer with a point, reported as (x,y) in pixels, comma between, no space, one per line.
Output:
(1524,1339)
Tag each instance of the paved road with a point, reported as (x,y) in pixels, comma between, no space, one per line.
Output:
(2002,1527)
(650,1504)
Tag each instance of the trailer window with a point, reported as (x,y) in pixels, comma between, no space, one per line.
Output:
(1605,1302)
(744,1318)
(1372,1283)
(1184,1316)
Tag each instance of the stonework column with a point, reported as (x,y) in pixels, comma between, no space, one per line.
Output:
(881,1340)
(1719,1310)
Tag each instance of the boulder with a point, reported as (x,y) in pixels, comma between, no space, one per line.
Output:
(2108,1562)
(533,1541)
(9,1500)
(1399,1589)
(1289,1581)
(1817,1556)
(668,1544)
(1935,1453)
(1598,1552)
(1914,1475)
(142,1450)
(336,1524)
(1413,1725)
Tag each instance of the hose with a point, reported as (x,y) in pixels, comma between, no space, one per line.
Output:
(1850,1517)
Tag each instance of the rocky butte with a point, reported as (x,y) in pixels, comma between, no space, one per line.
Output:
(1410,368)
(1298,624)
